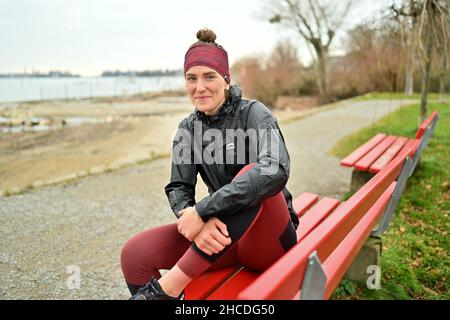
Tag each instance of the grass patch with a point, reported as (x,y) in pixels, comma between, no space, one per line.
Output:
(415,257)
(396,95)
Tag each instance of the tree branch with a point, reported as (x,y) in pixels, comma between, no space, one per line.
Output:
(295,10)
(316,17)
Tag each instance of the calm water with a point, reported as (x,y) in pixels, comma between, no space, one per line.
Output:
(26,89)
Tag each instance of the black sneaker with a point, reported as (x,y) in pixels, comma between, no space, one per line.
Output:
(153,291)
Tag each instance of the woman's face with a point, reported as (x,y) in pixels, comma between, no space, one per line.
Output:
(206,89)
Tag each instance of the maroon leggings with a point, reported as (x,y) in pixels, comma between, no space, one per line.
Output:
(260,235)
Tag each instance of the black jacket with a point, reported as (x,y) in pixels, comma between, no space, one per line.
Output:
(226,197)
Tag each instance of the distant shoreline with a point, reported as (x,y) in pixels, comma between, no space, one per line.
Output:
(128,98)
(2,76)
(40,89)
(104,74)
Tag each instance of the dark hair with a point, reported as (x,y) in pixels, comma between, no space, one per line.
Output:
(206,35)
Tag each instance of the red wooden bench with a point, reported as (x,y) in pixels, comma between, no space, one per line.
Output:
(329,231)
(376,153)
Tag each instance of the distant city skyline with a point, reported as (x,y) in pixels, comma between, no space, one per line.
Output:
(116,72)
(88,37)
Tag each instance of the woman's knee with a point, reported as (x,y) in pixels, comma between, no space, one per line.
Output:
(136,257)
(130,258)
(147,252)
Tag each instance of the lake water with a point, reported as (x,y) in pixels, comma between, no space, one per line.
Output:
(27,89)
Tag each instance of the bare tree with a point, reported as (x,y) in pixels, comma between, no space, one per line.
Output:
(317,23)
(374,59)
(267,78)
(434,17)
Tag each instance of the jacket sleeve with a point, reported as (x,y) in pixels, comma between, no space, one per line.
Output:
(268,176)
(181,189)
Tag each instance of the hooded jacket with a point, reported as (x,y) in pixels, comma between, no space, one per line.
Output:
(218,147)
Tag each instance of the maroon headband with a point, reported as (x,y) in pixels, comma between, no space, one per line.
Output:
(208,55)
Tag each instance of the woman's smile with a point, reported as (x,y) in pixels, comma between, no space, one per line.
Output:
(202,98)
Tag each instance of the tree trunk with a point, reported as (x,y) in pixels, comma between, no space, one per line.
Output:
(426,72)
(323,73)
(409,66)
(322,55)
(444,76)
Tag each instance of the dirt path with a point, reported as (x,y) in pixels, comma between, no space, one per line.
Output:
(51,232)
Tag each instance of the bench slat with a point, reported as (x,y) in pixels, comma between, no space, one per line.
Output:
(233,286)
(303,202)
(284,278)
(202,286)
(388,155)
(353,157)
(364,163)
(315,215)
(340,260)
(425,124)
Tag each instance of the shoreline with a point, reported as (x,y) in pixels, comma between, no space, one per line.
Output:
(111,98)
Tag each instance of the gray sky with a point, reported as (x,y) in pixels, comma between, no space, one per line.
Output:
(90,36)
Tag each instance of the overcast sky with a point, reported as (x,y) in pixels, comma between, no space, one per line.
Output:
(90,36)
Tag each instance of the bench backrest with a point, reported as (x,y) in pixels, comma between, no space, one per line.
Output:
(428,122)
(424,133)
(285,277)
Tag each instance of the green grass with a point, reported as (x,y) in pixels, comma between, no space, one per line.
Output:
(396,95)
(415,257)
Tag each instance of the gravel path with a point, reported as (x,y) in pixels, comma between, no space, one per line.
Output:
(50,234)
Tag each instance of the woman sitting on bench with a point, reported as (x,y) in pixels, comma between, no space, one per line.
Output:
(220,230)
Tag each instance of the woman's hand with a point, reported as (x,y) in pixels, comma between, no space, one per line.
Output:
(190,223)
(213,237)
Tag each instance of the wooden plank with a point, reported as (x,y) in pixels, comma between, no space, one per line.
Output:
(353,157)
(234,285)
(303,202)
(285,277)
(425,124)
(388,155)
(315,215)
(364,163)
